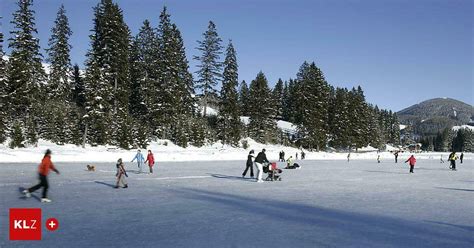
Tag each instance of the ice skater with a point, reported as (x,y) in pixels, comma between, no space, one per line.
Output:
(452,160)
(259,161)
(140,159)
(43,169)
(249,164)
(412,161)
(396,156)
(461,157)
(348,157)
(303,155)
(121,174)
(281,156)
(378,159)
(151,160)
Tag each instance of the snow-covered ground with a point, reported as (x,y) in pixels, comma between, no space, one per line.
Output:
(328,203)
(166,151)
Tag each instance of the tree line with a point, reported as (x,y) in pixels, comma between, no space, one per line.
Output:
(138,88)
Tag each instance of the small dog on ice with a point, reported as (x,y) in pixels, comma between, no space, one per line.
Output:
(90,167)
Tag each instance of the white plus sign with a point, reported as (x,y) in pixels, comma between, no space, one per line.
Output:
(52,224)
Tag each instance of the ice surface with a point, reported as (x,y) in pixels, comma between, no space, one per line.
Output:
(327,203)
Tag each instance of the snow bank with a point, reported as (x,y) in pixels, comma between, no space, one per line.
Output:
(165,150)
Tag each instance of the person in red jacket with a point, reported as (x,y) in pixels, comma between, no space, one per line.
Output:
(412,161)
(151,160)
(43,169)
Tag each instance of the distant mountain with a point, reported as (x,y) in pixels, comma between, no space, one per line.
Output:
(431,116)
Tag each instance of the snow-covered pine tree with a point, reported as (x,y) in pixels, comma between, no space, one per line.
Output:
(78,88)
(289,106)
(394,129)
(244,95)
(55,111)
(278,96)
(341,121)
(313,105)
(262,126)
(108,61)
(3,91)
(25,71)
(229,127)
(209,72)
(59,59)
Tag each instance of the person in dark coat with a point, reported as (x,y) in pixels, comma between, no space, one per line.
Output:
(43,171)
(260,160)
(461,157)
(396,156)
(249,164)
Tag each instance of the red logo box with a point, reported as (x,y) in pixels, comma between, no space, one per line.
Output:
(25,223)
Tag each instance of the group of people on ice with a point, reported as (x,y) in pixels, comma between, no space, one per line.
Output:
(122,173)
(261,162)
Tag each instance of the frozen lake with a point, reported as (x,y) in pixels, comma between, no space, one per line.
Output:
(208,204)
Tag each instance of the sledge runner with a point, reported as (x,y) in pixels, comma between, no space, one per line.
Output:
(452,160)
(140,159)
(43,169)
(412,161)
(121,174)
(249,164)
(259,161)
(151,160)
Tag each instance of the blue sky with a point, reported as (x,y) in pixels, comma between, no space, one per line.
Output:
(400,51)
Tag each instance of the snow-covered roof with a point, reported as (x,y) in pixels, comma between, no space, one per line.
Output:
(456,128)
(402,126)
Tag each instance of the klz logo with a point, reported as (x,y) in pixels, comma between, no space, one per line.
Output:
(25,223)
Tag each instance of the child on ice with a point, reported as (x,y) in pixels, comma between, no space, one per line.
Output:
(140,160)
(151,160)
(121,174)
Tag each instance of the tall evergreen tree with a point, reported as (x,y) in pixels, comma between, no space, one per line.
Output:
(229,119)
(209,72)
(262,126)
(244,101)
(3,91)
(278,96)
(312,106)
(108,75)
(25,72)
(78,88)
(59,87)
(341,123)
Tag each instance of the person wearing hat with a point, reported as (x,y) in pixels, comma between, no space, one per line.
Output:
(259,160)
(43,169)
(121,174)
(249,164)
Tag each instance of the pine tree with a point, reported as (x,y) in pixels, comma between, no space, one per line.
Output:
(78,88)
(262,126)
(108,75)
(59,87)
(229,119)
(3,91)
(25,71)
(341,120)
(312,106)
(278,96)
(244,101)
(210,66)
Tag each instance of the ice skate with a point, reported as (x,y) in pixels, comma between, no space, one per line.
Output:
(45,200)
(26,193)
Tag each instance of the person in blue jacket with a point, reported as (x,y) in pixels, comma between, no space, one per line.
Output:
(140,160)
